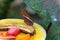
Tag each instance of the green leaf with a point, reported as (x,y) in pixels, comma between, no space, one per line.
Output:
(35,5)
(54,32)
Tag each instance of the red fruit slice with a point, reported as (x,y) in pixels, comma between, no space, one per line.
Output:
(13,32)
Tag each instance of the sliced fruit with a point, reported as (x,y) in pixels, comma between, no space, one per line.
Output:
(23,37)
(13,32)
(40,33)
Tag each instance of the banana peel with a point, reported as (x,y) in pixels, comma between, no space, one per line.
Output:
(40,32)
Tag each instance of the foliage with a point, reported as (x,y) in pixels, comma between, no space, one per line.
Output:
(4,6)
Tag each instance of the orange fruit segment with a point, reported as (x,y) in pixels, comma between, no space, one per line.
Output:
(23,37)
